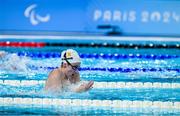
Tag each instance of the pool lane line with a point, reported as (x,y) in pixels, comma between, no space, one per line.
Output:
(89,103)
(116,45)
(22,44)
(110,69)
(110,85)
(99,56)
(87,45)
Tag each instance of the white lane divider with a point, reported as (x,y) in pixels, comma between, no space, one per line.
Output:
(99,84)
(89,103)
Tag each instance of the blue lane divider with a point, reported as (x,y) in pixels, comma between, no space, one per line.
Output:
(97,56)
(119,69)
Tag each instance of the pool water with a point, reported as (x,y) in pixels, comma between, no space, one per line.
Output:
(158,78)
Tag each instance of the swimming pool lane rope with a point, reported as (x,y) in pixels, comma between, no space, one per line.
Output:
(118,69)
(98,56)
(33,102)
(92,103)
(110,85)
(92,44)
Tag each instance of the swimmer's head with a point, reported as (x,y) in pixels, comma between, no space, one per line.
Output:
(70,56)
(70,61)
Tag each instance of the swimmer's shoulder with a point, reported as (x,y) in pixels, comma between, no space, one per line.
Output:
(55,73)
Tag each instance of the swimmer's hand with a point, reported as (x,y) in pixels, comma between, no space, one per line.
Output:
(85,87)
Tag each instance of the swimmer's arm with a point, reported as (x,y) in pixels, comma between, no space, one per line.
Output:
(83,87)
(47,84)
(53,81)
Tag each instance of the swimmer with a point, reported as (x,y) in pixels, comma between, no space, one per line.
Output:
(62,78)
(12,62)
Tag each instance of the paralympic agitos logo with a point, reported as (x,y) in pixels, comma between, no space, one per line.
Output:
(35,18)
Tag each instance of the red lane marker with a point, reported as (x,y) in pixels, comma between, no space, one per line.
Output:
(41,44)
(22,44)
(2,43)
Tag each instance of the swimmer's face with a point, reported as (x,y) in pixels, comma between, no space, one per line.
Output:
(72,71)
(73,67)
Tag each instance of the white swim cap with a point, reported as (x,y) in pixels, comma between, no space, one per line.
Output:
(70,55)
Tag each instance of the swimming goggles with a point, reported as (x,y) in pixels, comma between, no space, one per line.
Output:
(66,59)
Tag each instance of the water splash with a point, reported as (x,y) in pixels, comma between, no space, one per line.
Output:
(13,62)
